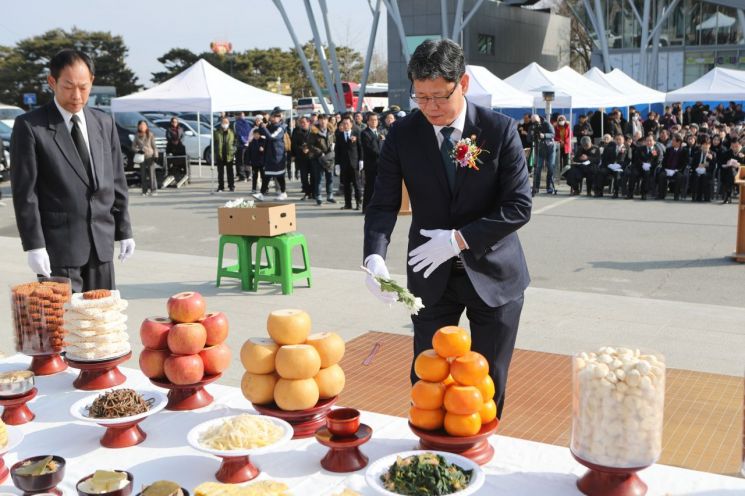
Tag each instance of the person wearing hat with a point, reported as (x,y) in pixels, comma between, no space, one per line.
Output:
(321,155)
(273,136)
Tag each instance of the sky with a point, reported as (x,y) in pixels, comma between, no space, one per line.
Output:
(152,27)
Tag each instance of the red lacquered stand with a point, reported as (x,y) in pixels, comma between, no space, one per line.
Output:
(15,410)
(4,470)
(98,375)
(47,364)
(609,481)
(236,469)
(345,454)
(475,448)
(123,435)
(188,396)
(304,423)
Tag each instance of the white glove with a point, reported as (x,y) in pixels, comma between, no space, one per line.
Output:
(38,261)
(126,249)
(376,265)
(439,249)
(361,164)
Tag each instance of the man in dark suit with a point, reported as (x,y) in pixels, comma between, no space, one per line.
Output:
(464,250)
(372,142)
(673,166)
(69,189)
(349,157)
(643,166)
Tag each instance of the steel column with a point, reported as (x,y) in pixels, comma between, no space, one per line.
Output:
(322,56)
(332,50)
(369,55)
(471,13)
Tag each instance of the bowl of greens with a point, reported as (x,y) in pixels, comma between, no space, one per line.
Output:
(424,473)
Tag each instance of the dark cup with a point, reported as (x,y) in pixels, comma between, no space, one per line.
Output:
(38,483)
(343,421)
(125,491)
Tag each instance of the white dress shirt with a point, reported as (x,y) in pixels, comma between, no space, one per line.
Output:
(67,117)
(458,124)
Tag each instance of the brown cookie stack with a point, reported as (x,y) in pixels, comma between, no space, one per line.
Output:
(38,316)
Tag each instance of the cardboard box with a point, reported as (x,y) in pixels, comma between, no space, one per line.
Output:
(265,219)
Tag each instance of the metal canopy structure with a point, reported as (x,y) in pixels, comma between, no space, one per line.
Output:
(331,72)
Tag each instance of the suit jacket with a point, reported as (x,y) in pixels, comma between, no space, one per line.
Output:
(56,206)
(347,152)
(641,155)
(371,146)
(488,205)
(675,159)
(708,164)
(611,155)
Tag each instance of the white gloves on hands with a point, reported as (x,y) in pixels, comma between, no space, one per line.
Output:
(38,261)
(360,164)
(376,265)
(126,249)
(441,247)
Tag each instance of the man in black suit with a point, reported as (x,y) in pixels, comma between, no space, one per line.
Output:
(673,166)
(372,142)
(69,189)
(349,157)
(464,250)
(643,166)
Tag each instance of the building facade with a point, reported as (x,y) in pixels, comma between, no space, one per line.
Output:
(698,36)
(502,38)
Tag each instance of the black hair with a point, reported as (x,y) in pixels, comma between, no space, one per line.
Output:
(370,114)
(437,58)
(67,57)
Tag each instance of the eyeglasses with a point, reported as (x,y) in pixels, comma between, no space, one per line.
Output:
(423,100)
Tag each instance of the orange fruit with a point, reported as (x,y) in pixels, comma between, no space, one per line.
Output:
(451,341)
(429,366)
(486,386)
(463,400)
(462,425)
(469,369)
(488,412)
(430,420)
(448,381)
(427,395)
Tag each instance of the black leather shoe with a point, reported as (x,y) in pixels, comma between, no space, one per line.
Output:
(345,207)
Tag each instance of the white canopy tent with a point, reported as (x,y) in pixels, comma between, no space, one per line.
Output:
(621,82)
(589,91)
(485,88)
(201,88)
(716,85)
(717,21)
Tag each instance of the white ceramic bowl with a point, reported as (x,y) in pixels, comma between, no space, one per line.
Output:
(381,466)
(78,409)
(196,432)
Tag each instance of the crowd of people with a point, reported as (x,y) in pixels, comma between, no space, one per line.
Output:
(264,147)
(693,153)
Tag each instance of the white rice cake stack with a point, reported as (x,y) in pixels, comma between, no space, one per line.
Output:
(97,328)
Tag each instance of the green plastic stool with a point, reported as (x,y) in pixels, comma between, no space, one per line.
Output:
(282,270)
(243,270)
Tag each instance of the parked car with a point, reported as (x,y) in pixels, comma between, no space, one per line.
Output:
(8,114)
(311,105)
(204,117)
(192,142)
(5,132)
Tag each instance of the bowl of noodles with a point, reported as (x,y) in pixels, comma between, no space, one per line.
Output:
(239,435)
(118,406)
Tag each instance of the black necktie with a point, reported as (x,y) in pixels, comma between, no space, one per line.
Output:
(446,150)
(77,137)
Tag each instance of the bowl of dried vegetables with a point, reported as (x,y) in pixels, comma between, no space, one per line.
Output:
(424,473)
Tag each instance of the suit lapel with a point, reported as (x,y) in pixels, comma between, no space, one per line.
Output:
(470,129)
(432,154)
(63,138)
(95,138)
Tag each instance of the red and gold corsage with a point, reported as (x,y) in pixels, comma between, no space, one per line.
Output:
(466,153)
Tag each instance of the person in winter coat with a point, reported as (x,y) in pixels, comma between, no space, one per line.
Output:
(273,138)
(224,142)
(563,136)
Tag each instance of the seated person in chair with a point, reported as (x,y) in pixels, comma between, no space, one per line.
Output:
(586,160)
(673,167)
(613,164)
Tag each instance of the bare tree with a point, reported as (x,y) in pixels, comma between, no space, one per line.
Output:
(581,42)
(378,69)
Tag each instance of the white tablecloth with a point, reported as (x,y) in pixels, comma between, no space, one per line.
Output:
(518,468)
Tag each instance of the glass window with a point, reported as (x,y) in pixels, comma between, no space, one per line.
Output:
(486,44)
(729,26)
(693,35)
(697,64)
(673,30)
(709,25)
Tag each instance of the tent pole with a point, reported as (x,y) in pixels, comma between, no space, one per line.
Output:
(199,145)
(212,150)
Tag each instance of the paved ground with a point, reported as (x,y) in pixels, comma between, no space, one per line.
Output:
(652,274)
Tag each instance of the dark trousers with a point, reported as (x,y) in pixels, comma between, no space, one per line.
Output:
(493,330)
(350,178)
(700,187)
(641,178)
(728,182)
(241,163)
(147,173)
(257,172)
(576,174)
(663,181)
(93,275)
(605,175)
(371,172)
(303,166)
(319,173)
(280,178)
(221,167)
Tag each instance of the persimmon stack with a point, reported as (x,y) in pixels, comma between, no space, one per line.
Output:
(455,390)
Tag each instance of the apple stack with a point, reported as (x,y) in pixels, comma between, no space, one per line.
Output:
(293,368)
(187,345)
